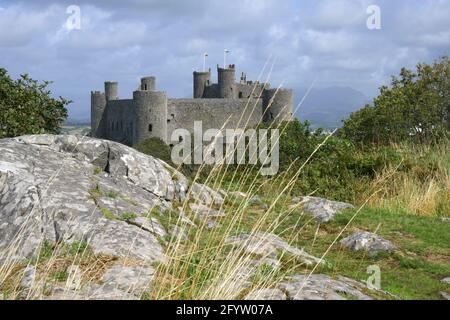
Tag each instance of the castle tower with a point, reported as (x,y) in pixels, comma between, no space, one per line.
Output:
(278,105)
(98,116)
(148,83)
(227,82)
(201,81)
(150,115)
(111,90)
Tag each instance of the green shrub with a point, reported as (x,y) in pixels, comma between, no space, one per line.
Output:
(26,107)
(155,147)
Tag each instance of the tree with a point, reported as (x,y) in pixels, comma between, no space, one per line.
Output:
(415,107)
(26,107)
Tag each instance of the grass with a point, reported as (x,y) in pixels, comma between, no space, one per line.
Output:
(404,202)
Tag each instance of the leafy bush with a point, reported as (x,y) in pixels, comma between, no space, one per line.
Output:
(26,107)
(416,107)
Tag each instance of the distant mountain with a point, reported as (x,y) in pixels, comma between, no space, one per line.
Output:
(327,107)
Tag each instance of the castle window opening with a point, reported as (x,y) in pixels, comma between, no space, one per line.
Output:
(240,95)
(150,128)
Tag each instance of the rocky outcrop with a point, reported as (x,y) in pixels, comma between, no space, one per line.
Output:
(367,241)
(73,189)
(69,188)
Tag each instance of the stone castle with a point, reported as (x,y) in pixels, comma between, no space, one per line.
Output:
(225,104)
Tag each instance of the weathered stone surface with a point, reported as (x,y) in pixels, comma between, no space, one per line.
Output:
(369,242)
(445,295)
(132,279)
(446,280)
(73,188)
(205,194)
(91,292)
(266,294)
(74,276)
(28,277)
(150,224)
(268,245)
(179,232)
(322,287)
(322,210)
(206,215)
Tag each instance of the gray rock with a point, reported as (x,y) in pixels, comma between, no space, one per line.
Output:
(321,287)
(150,224)
(205,194)
(369,242)
(74,276)
(263,245)
(323,210)
(132,279)
(179,232)
(28,278)
(266,294)
(446,280)
(91,292)
(65,188)
(206,215)
(184,218)
(445,295)
(256,201)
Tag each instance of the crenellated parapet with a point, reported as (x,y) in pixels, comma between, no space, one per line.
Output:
(150,113)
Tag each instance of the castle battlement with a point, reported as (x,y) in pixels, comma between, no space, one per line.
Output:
(150,113)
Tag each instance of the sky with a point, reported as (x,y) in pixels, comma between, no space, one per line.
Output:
(293,43)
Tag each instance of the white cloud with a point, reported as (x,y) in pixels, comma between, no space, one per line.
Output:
(323,39)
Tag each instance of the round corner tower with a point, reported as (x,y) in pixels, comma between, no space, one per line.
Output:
(277,105)
(111,90)
(148,84)
(201,81)
(98,116)
(150,115)
(227,82)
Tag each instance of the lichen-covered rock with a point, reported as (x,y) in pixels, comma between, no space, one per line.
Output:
(266,294)
(131,279)
(367,241)
(322,210)
(206,216)
(74,188)
(322,287)
(264,244)
(205,194)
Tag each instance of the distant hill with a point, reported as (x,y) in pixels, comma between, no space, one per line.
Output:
(327,107)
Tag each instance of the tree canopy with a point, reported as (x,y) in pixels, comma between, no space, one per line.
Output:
(27,107)
(415,107)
